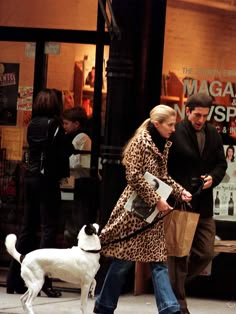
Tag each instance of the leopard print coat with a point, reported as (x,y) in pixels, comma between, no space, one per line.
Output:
(149,245)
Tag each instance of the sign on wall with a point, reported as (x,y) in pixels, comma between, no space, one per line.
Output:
(9,81)
(52,48)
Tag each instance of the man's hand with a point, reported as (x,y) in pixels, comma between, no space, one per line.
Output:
(207,181)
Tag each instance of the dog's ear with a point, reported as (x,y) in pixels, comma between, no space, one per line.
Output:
(90,229)
(97,227)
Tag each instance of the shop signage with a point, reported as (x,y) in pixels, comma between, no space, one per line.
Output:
(9,80)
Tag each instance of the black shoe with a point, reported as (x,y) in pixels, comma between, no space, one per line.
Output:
(51,293)
(102,311)
(96,310)
(48,289)
(17,290)
(184,311)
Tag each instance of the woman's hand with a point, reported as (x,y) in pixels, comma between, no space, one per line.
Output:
(162,205)
(186,196)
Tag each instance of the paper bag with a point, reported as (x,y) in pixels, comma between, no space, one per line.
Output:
(180,227)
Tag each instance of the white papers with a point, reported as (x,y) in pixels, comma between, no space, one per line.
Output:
(136,204)
(67,196)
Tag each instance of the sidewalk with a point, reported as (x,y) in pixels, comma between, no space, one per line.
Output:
(69,303)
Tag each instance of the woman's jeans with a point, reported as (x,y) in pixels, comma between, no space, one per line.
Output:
(107,300)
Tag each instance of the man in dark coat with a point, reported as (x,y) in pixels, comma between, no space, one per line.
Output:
(196,156)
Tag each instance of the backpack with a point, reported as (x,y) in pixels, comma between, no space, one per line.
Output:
(47,155)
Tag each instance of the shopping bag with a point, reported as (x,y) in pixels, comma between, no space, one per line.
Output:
(180,226)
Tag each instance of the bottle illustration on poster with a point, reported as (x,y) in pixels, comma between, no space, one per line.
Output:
(224,202)
(231,205)
(217,204)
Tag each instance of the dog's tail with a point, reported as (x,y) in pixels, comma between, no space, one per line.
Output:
(10,243)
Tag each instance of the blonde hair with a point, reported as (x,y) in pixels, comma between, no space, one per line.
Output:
(160,114)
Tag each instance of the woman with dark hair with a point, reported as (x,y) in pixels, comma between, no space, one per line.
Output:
(229,154)
(47,164)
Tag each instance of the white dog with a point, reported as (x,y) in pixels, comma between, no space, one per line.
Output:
(77,265)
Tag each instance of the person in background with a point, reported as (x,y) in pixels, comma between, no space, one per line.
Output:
(68,99)
(230,175)
(47,164)
(90,79)
(75,125)
(196,153)
(229,154)
(148,151)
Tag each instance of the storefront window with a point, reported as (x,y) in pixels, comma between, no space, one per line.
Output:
(16,81)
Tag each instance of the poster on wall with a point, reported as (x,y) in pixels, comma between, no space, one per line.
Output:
(12,139)
(225,193)
(223,112)
(25,98)
(9,80)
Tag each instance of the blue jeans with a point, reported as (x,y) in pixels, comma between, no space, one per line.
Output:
(107,300)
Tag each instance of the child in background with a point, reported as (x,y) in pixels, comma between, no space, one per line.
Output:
(74,122)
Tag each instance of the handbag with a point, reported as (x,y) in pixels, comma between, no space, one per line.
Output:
(180,226)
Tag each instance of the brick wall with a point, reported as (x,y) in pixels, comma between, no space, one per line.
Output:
(72,14)
(201,39)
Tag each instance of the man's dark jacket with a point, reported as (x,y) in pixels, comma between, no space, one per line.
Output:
(185,162)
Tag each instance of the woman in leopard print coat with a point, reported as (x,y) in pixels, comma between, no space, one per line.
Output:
(146,151)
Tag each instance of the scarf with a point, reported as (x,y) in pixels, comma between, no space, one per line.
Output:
(158,140)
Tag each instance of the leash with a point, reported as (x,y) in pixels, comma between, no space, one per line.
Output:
(199,182)
(146,227)
(91,251)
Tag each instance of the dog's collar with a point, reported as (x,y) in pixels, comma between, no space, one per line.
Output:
(91,251)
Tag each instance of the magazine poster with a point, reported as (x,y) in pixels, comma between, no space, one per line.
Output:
(225,193)
(9,81)
(135,204)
